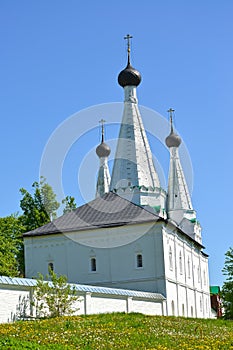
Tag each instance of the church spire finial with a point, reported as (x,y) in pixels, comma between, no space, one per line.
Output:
(129,76)
(103,150)
(102,121)
(173,140)
(171,110)
(128,37)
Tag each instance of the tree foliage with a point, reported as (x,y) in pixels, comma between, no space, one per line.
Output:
(69,203)
(54,298)
(40,207)
(11,246)
(227,289)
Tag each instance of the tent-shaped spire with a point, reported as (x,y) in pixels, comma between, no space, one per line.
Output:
(179,205)
(103,151)
(134,176)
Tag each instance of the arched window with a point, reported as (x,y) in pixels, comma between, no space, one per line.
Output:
(50,267)
(204,278)
(191,311)
(93,264)
(139,262)
(180,263)
(170,258)
(183,310)
(189,268)
(201,306)
(173,308)
(199,273)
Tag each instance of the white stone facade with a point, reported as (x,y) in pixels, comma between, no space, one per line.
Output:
(171,263)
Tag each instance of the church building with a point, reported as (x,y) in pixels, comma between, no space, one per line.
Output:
(134,235)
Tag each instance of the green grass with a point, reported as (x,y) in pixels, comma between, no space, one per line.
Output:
(118,331)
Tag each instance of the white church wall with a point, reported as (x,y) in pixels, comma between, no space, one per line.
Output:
(101,304)
(172,304)
(191,303)
(115,266)
(182,301)
(186,272)
(40,251)
(147,307)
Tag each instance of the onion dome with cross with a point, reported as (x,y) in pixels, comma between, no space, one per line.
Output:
(129,76)
(172,140)
(103,150)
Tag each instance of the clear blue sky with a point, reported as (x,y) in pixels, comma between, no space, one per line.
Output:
(60,57)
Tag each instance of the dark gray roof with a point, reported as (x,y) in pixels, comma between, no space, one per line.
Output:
(107,211)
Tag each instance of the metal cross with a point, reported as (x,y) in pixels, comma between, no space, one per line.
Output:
(128,37)
(171,110)
(102,121)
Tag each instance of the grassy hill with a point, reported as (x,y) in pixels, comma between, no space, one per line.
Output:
(118,331)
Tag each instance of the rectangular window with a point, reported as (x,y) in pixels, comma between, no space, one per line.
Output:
(50,267)
(93,264)
(139,261)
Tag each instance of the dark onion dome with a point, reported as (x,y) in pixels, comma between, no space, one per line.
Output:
(173,140)
(103,150)
(129,76)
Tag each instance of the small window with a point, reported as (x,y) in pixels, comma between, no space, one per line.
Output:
(199,273)
(173,308)
(183,312)
(139,261)
(189,268)
(201,307)
(50,267)
(204,277)
(93,264)
(170,259)
(181,263)
(191,311)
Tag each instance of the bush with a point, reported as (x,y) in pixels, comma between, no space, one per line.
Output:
(54,298)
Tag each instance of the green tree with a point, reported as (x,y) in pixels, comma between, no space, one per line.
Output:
(69,203)
(40,207)
(227,289)
(54,298)
(11,246)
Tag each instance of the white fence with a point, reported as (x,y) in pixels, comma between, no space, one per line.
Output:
(16,295)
